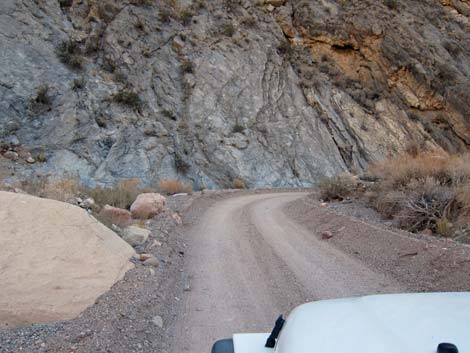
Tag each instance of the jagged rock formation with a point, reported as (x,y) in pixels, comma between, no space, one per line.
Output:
(277,93)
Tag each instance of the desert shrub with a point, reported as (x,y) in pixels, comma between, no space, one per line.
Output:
(391,4)
(285,47)
(65,3)
(187,66)
(387,203)
(140,24)
(336,188)
(164,15)
(142,2)
(423,190)
(463,197)
(452,48)
(41,101)
(249,21)
(41,158)
(78,83)
(171,187)
(400,171)
(42,95)
(169,114)
(147,52)
(128,97)
(414,117)
(238,128)
(121,195)
(185,16)
(228,29)
(107,11)
(69,53)
(181,165)
(239,183)
(424,205)
(33,186)
(61,190)
(200,4)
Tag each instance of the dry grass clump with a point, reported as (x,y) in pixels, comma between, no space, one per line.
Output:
(446,169)
(239,183)
(61,190)
(172,186)
(66,189)
(425,190)
(122,195)
(337,188)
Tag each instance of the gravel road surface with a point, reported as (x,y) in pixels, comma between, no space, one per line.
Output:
(248,262)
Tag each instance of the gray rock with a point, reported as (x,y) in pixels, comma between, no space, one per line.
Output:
(157,321)
(89,203)
(316,108)
(13,141)
(11,155)
(152,262)
(134,235)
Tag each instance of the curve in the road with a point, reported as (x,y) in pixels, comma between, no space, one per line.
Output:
(248,262)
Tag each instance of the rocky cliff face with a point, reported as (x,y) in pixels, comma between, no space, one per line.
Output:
(278,93)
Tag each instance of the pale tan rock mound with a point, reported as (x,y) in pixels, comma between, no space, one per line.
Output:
(55,260)
(148,205)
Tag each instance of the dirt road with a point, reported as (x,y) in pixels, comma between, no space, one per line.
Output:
(240,260)
(248,262)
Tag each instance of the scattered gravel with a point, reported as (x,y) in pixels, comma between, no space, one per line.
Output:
(423,263)
(123,319)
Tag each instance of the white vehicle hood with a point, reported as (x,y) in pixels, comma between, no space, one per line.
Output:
(395,323)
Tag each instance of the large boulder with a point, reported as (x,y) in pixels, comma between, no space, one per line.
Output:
(148,205)
(55,260)
(117,216)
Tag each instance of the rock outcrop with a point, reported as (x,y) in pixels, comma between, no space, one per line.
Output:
(148,205)
(56,260)
(278,93)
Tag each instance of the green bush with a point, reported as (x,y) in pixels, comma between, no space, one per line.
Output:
(70,54)
(238,128)
(128,97)
(169,114)
(228,29)
(336,188)
(391,4)
(79,83)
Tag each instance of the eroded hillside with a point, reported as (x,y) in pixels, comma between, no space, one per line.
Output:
(274,92)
